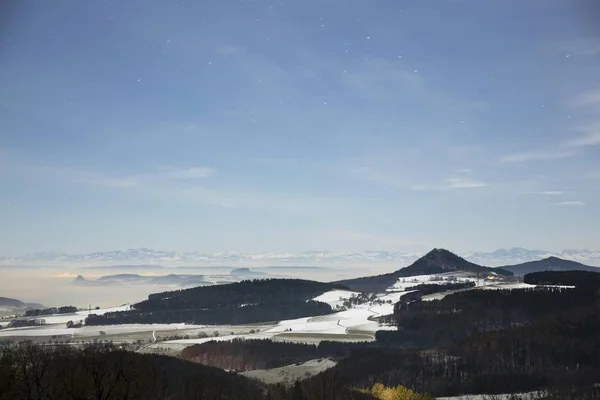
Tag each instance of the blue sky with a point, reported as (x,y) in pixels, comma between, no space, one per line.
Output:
(299,125)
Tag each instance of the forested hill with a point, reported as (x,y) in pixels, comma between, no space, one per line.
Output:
(235,303)
(238,294)
(437,261)
(579,279)
(548,264)
(8,302)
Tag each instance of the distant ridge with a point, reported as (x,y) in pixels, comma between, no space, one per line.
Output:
(437,261)
(11,303)
(548,264)
(246,272)
(7,302)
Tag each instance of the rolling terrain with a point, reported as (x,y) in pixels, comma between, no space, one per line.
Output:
(418,329)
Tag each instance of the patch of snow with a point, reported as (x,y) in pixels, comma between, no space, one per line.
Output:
(79,315)
(303,325)
(433,279)
(335,298)
(89,331)
(36,331)
(224,338)
(506,396)
(507,286)
(132,328)
(339,324)
(290,373)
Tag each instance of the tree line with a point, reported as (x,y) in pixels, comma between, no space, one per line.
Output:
(423,324)
(228,315)
(50,311)
(583,280)
(431,288)
(247,355)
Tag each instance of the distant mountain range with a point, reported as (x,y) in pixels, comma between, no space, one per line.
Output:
(150,258)
(437,261)
(548,264)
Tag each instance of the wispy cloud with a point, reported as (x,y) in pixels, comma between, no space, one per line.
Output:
(591,139)
(536,155)
(545,193)
(590,134)
(163,175)
(348,238)
(459,183)
(371,174)
(451,184)
(570,203)
(182,183)
(187,173)
(189,185)
(587,99)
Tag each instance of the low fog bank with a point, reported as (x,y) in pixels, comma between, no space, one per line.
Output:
(53,286)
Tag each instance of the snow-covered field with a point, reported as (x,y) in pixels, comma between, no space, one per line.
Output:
(79,315)
(93,331)
(36,331)
(335,298)
(519,285)
(507,396)
(355,324)
(290,373)
(435,279)
(507,286)
(56,324)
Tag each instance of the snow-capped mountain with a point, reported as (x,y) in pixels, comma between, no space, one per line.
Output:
(144,256)
(169,258)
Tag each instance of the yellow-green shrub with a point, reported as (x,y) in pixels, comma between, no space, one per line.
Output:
(381,392)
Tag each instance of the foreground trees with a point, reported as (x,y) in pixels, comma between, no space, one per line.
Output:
(105,373)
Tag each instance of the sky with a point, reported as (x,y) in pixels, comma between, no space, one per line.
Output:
(285,126)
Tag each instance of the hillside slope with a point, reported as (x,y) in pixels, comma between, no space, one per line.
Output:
(437,261)
(548,264)
(235,303)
